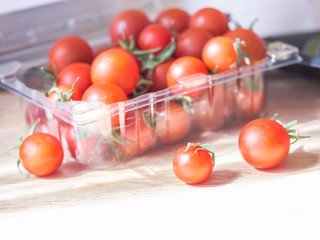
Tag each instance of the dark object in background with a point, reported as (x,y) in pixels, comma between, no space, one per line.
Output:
(310,66)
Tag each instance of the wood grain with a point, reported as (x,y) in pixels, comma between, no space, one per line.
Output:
(234,197)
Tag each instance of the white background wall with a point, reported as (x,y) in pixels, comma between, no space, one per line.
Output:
(276,17)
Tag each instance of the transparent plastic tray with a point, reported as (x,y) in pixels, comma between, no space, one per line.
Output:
(150,120)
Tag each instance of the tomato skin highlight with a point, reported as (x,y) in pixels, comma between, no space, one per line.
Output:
(116,66)
(184,67)
(211,20)
(193,165)
(41,154)
(131,22)
(264,143)
(218,54)
(69,50)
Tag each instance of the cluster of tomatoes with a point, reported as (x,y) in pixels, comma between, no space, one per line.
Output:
(148,56)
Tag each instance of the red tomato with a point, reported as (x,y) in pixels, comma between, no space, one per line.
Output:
(130,22)
(79,72)
(107,93)
(219,54)
(184,67)
(69,50)
(211,20)
(193,164)
(138,136)
(213,108)
(264,143)
(159,76)
(175,19)
(254,45)
(248,104)
(101,49)
(116,66)
(70,136)
(92,150)
(41,154)
(76,94)
(154,36)
(191,42)
(33,113)
(173,122)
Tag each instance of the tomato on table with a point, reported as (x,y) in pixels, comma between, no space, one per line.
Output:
(79,72)
(129,22)
(116,66)
(193,163)
(265,143)
(41,154)
(154,36)
(184,67)
(211,20)
(173,122)
(174,19)
(69,50)
(191,42)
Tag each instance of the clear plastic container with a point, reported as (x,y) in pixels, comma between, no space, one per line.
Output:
(198,103)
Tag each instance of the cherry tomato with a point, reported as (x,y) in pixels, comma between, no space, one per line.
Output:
(107,93)
(213,108)
(76,94)
(248,104)
(173,122)
(218,54)
(41,154)
(175,19)
(184,67)
(137,136)
(129,22)
(70,136)
(211,20)
(154,36)
(101,49)
(79,72)
(33,113)
(116,66)
(69,50)
(264,143)
(191,42)
(254,45)
(193,164)
(159,76)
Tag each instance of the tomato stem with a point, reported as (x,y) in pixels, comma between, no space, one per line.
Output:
(241,55)
(204,147)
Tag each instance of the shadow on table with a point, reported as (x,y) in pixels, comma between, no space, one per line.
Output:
(219,177)
(297,161)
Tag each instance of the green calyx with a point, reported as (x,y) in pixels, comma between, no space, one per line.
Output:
(204,147)
(293,133)
(18,146)
(241,55)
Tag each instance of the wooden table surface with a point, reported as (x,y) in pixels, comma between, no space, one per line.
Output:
(142,199)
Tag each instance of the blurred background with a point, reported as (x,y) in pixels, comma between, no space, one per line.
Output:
(30,22)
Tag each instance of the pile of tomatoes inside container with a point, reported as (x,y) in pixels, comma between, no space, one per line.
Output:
(149,55)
